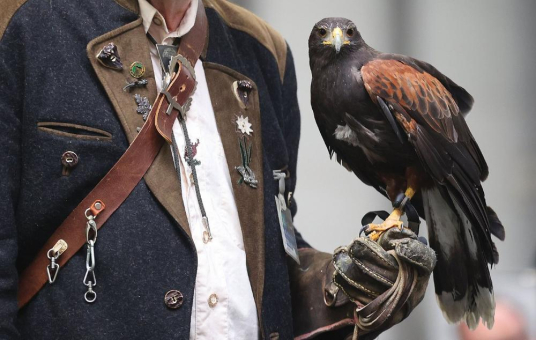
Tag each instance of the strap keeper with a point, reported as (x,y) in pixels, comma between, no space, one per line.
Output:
(97,207)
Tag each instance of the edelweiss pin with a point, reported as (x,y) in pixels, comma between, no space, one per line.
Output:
(248,176)
(244,125)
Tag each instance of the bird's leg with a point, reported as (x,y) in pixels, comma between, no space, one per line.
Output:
(374,231)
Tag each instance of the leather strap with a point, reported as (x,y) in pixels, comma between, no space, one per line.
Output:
(119,182)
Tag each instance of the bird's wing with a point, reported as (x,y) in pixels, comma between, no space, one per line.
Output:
(430,116)
(416,97)
(459,94)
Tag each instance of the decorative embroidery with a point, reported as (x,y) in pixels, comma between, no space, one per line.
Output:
(248,176)
(244,125)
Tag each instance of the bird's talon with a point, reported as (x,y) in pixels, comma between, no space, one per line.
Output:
(363,230)
(374,231)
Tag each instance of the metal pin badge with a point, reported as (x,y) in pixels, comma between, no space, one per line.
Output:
(191,159)
(144,108)
(165,53)
(243,125)
(242,90)
(135,83)
(109,57)
(137,69)
(248,176)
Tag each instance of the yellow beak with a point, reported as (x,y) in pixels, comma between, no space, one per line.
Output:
(337,39)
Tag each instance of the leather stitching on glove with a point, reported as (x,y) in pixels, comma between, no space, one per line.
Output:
(370,293)
(375,275)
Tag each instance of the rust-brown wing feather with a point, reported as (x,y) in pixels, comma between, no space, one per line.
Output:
(415,91)
(417,97)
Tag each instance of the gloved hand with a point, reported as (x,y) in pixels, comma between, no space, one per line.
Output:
(364,288)
(386,280)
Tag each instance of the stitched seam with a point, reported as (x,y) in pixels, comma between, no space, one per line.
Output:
(377,276)
(370,295)
(353,283)
(375,254)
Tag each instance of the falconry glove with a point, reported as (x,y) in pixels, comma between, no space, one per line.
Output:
(386,280)
(368,285)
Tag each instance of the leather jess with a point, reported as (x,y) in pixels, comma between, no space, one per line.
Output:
(119,182)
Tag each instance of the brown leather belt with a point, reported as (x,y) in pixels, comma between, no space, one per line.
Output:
(119,182)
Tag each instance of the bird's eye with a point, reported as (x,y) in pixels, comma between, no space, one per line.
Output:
(322,32)
(350,32)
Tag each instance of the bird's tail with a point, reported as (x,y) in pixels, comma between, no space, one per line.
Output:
(462,280)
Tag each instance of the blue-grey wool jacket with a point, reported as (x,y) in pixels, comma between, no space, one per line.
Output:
(55,97)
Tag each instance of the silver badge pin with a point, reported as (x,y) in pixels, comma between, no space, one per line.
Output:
(248,176)
(135,83)
(192,160)
(144,108)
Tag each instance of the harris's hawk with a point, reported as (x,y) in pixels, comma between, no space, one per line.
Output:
(398,124)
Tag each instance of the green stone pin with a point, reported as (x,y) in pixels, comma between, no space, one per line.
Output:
(137,70)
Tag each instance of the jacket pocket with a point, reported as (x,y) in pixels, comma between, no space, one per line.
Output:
(74,131)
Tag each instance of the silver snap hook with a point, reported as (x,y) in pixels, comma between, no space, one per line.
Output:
(90,296)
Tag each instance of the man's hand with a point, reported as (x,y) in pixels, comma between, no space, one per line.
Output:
(371,285)
(386,280)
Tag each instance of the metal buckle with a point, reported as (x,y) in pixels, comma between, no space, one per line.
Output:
(173,104)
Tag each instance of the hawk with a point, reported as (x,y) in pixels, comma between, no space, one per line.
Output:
(398,124)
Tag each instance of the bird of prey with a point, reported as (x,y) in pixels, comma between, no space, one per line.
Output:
(398,124)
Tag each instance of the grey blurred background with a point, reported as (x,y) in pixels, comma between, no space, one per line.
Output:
(488,47)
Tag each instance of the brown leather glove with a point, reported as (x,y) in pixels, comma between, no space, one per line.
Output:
(367,284)
(386,280)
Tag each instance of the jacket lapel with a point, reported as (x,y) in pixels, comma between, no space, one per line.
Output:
(249,201)
(133,46)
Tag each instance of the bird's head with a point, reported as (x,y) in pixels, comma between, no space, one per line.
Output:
(334,36)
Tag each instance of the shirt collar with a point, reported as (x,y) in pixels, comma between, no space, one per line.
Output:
(151,17)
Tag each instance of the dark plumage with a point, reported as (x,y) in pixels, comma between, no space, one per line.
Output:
(382,114)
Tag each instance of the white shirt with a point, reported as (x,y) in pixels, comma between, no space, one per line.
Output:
(221,262)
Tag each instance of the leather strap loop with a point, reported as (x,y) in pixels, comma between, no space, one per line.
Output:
(119,182)
(378,314)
